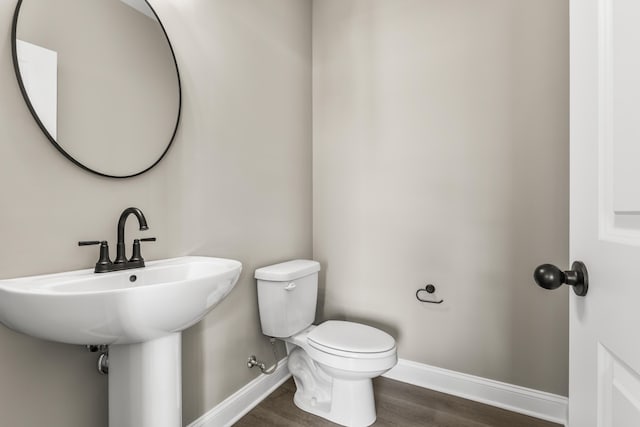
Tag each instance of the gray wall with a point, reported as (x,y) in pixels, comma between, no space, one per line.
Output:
(236,184)
(440,155)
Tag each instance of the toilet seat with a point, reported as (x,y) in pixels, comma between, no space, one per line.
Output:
(351,347)
(350,339)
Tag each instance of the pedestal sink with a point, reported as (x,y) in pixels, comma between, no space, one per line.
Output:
(139,313)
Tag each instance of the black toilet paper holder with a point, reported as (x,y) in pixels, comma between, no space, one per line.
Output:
(430,289)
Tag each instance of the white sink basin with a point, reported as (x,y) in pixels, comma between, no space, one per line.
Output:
(82,307)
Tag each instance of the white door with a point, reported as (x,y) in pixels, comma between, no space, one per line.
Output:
(604,377)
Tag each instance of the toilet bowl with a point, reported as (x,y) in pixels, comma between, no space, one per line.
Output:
(332,363)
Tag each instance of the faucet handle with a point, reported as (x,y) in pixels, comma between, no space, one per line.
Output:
(89,242)
(104,262)
(136,256)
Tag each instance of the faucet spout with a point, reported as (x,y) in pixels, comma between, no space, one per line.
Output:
(142,221)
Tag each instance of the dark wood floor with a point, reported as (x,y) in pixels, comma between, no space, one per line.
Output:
(398,404)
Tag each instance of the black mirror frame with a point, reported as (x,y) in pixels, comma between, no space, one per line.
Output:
(23,90)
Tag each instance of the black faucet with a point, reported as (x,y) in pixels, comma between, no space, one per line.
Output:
(120,257)
(104,264)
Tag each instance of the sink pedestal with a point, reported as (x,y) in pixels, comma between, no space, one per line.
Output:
(145,383)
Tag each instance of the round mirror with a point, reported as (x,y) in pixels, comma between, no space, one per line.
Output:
(101,79)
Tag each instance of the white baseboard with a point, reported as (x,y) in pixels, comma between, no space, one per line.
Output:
(234,407)
(538,404)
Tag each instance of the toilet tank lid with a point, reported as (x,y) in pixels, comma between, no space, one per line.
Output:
(289,270)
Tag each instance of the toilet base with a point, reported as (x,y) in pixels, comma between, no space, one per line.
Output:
(345,402)
(352,404)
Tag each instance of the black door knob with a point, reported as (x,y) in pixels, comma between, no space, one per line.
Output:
(549,276)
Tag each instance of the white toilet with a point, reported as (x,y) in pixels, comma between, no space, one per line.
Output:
(332,363)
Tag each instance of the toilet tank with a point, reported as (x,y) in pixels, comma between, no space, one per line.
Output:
(287,296)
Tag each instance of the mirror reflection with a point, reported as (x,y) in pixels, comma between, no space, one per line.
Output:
(101,79)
